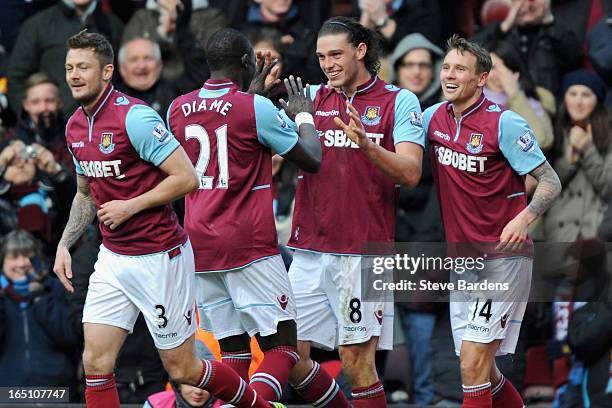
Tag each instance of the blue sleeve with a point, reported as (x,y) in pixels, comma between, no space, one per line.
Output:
(408,126)
(77,166)
(148,134)
(518,143)
(273,128)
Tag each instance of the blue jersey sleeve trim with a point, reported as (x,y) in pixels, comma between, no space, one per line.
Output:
(168,116)
(273,129)
(408,125)
(149,135)
(518,143)
(77,166)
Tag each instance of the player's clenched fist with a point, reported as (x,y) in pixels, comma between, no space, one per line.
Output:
(63,267)
(116,212)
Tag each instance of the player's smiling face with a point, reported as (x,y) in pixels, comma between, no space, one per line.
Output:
(85,75)
(460,79)
(340,60)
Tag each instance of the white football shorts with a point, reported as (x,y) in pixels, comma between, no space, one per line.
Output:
(160,285)
(330,308)
(253,299)
(485,316)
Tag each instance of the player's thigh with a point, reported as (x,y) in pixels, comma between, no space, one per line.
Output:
(181,362)
(106,302)
(316,321)
(262,295)
(162,286)
(359,317)
(217,313)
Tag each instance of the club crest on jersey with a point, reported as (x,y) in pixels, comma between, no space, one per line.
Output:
(475,144)
(526,141)
(106,143)
(371,116)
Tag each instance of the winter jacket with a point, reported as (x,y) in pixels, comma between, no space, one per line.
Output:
(587,188)
(38,346)
(432,94)
(549,50)
(41,47)
(202,24)
(590,338)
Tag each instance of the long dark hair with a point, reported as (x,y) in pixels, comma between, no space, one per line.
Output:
(357,34)
(600,121)
(512,59)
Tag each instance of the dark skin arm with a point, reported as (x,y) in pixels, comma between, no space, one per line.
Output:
(306,154)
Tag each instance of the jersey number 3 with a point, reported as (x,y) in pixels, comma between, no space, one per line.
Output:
(199,133)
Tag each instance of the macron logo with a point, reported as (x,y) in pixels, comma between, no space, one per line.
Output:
(75,145)
(327,113)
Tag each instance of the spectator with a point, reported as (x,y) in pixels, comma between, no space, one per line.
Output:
(547,47)
(297,34)
(590,338)
(584,160)
(416,65)
(36,340)
(510,84)
(395,19)
(140,67)
(183,395)
(41,120)
(41,44)
(29,176)
(176,25)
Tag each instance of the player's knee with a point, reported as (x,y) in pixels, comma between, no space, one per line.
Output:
(179,373)
(97,363)
(475,368)
(356,359)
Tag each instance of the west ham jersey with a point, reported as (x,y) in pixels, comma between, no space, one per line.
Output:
(228,135)
(350,202)
(119,149)
(479,162)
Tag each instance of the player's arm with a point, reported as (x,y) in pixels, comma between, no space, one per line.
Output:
(306,154)
(403,165)
(82,213)
(519,146)
(156,144)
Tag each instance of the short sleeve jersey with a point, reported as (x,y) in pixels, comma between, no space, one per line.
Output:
(479,162)
(229,136)
(119,149)
(351,202)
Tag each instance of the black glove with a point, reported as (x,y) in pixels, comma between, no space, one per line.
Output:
(49,129)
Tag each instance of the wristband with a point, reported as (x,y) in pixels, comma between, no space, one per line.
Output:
(304,117)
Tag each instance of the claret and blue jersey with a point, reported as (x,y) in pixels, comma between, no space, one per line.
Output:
(229,136)
(350,201)
(119,149)
(479,162)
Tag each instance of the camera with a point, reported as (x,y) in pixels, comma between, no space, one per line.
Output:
(28,152)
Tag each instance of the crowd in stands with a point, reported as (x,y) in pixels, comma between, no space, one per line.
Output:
(552,64)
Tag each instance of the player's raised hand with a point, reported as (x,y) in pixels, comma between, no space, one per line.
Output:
(63,267)
(298,98)
(116,212)
(266,73)
(354,129)
(513,235)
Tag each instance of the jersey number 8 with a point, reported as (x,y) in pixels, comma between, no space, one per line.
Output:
(199,133)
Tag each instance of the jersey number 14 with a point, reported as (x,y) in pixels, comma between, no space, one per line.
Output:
(199,133)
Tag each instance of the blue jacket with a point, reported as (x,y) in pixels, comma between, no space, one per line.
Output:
(37,341)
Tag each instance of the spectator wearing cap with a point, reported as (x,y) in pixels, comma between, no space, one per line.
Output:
(37,342)
(584,159)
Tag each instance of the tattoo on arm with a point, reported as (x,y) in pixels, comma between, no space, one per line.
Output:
(82,213)
(547,190)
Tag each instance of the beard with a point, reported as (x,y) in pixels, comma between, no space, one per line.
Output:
(89,97)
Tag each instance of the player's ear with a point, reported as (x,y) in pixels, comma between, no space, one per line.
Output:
(482,79)
(362,49)
(244,60)
(107,72)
